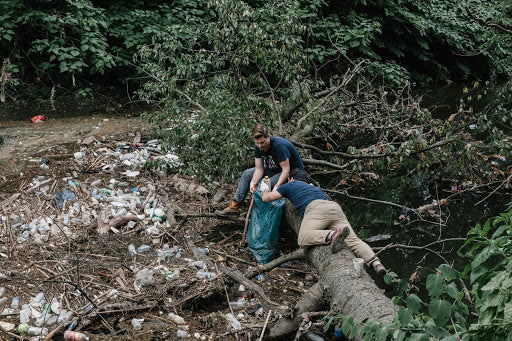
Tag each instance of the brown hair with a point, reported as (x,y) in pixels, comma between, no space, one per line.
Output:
(259,130)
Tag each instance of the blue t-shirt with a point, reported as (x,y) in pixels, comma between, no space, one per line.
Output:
(280,150)
(301,194)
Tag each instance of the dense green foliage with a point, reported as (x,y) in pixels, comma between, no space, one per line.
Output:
(449,315)
(73,42)
(271,63)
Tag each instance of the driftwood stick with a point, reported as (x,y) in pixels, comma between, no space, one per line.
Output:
(265,325)
(209,215)
(297,254)
(247,218)
(120,221)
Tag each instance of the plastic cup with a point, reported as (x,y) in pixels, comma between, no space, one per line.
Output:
(358,266)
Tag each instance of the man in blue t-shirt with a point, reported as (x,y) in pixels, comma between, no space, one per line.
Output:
(323,220)
(274,157)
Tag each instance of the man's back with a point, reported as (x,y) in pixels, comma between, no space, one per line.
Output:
(301,194)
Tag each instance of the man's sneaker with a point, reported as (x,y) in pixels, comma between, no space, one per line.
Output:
(338,237)
(380,269)
(233,210)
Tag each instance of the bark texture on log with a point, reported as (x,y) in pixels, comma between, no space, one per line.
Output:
(312,300)
(350,295)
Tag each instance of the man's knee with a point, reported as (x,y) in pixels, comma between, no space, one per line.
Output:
(301,240)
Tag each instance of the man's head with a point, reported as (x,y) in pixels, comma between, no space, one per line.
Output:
(261,136)
(298,175)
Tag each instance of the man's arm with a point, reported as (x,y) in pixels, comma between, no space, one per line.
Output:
(267,196)
(258,172)
(285,171)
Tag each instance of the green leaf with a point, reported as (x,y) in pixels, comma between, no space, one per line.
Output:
(435,285)
(348,322)
(449,272)
(440,311)
(414,303)
(507,311)
(404,316)
(481,257)
(418,337)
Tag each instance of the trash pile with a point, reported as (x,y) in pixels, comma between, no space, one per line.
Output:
(97,245)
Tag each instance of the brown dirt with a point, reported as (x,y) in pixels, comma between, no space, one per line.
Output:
(99,264)
(25,143)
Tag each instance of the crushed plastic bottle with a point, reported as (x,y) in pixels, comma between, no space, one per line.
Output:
(205,274)
(182,333)
(176,318)
(238,305)
(235,324)
(64,315)
(25,314)
(143,248)
(131,249)
(172,275)
(338,334)
(35,331)
(75,336)
(15,303)
(145,277)
(136,324)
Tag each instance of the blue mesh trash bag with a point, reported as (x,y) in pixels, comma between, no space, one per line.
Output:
(263,232)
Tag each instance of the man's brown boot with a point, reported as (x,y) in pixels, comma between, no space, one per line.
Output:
(233,210)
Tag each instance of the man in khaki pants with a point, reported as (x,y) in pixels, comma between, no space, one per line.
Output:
(323,220)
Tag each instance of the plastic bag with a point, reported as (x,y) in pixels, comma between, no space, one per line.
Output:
(65,194)
(263,232)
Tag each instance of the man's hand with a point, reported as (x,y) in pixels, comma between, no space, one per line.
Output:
(275,187)
(252,187)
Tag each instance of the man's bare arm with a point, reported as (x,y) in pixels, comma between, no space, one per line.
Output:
(267,196)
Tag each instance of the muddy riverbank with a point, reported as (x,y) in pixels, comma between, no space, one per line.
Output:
(24,143)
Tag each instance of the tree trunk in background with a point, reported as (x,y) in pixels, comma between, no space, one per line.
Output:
(349,295)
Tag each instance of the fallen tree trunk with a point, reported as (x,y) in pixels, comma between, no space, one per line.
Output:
(348,294)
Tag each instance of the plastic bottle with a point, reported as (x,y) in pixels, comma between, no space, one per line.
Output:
(198,264)
(337,333)
(25,314)
(145,277)
(2,301)
(173,275)
(233,321)
(238,305)
(75,336)
(265,182)
(55,306)
(37,331)
(15,303)
(51,320)
(2,291)
(64,315)
(176,318)
(136,324)
(143,248)
(182,333)
(205,274)
(131,249)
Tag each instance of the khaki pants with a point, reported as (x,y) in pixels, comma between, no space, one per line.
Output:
(322,216)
